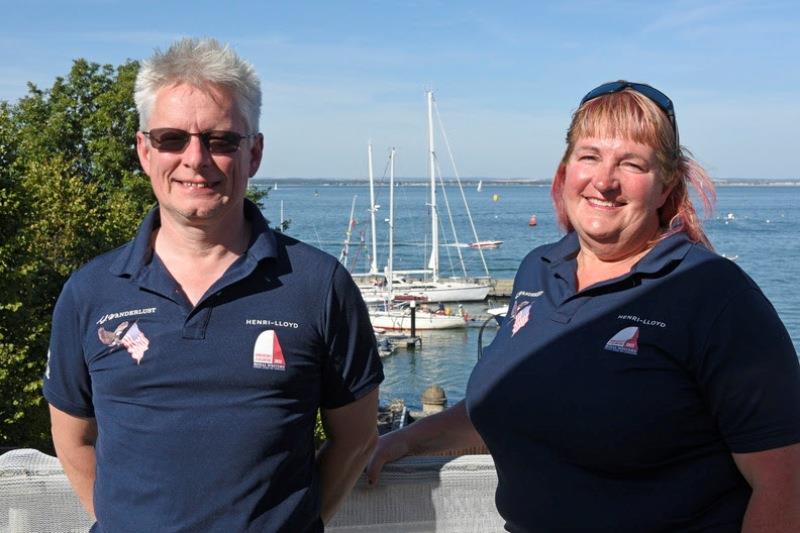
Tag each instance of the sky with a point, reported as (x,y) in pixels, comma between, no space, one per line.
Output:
(507,75)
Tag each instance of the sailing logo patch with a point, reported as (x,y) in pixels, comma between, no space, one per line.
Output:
(267,353)
(626,341)
(521,317)
(132,338)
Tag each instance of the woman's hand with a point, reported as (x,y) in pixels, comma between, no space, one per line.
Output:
(390,448)
(449,430)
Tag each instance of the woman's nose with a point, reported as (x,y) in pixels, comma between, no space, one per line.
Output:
(605,179)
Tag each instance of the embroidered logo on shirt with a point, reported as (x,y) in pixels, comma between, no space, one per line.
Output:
(529,294)
(132,338)
(267,353)
(642,321)
(273,323)
(626,341)
(124,314)
(521,315)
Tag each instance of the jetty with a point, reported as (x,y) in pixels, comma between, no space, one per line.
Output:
(501,288)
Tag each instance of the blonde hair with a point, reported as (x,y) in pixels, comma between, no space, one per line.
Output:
(630,115)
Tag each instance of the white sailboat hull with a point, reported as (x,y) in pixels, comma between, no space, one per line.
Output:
(400,319)
(442,291)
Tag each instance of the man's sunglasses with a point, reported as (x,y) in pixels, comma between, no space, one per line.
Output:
(176,140)
(657,97)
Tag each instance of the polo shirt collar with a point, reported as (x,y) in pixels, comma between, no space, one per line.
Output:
(263,244)
(137,254)
(561,256)
(672,248)
(563,251)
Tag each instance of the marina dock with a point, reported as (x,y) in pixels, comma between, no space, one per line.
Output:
(501,288)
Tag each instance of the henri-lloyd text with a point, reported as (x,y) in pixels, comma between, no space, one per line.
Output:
(642,321)
(273,323)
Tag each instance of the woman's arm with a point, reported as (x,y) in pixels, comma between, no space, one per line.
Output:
(449,430)
(774,476)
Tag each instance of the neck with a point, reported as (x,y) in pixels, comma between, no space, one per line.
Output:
(197,256)
(597,264)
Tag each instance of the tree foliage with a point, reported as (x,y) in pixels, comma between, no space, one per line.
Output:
(70,188)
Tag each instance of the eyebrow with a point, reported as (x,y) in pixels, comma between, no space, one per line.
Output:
(590,147)
(626,155)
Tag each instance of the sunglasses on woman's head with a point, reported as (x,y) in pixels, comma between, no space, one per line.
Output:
(176,140)
(654,95)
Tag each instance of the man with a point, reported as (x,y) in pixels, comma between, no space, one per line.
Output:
(186,367)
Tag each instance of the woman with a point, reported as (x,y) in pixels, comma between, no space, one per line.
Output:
(640,382)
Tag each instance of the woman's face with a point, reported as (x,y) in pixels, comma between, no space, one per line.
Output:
(612,191)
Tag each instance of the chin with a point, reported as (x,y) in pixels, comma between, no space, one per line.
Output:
(605,236)
(200,213)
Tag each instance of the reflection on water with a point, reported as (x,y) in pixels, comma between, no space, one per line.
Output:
(445,358)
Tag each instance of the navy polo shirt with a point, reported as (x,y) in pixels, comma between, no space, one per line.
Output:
(206,413)
(616,408)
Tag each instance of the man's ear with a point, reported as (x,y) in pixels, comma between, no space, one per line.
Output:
(256,152)
(143,150)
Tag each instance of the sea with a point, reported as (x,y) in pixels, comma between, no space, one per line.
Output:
(756,226)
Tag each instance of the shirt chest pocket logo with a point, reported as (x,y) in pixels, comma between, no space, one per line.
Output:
(129,336)
(267,352)
(625,341)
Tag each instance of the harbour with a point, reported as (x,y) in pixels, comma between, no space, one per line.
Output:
(754,225)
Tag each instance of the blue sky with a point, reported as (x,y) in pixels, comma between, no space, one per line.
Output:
(507,74)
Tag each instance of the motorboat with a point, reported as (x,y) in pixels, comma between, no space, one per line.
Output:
(485,245)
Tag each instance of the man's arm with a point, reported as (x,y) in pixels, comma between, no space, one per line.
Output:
(74,439)
(352,432)
(774,476)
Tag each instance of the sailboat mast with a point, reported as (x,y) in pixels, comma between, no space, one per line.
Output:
(434,262)
(373,263)
(390,264)
(343,256)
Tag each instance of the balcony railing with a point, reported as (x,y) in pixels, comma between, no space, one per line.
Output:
(416,494)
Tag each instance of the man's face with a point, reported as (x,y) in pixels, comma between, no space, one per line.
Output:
(194,186)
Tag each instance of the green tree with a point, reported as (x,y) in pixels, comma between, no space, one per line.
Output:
(70,188)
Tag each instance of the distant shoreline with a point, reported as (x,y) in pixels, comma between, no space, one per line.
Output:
(494,182)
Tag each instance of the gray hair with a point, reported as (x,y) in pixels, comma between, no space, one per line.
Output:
(200,63)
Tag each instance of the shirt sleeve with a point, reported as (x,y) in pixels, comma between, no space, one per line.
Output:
(751,375)
(352,367)
(67,384)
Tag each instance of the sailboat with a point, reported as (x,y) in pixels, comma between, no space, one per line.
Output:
(344,255)
(389,317)
(480,186)
(437,289)
(370,283)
